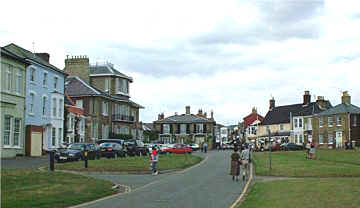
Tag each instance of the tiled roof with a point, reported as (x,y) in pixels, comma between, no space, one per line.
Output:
(248,120)
(74,86)
(25,54)
(107,70)
(281,114)
(184,118)
(341,108)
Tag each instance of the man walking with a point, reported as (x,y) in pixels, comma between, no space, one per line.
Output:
(154,160)
(205,147)
(245,155)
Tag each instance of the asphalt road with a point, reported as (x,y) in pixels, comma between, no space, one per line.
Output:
(206,185)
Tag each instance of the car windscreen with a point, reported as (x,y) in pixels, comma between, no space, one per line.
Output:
(76,146)
(106,144)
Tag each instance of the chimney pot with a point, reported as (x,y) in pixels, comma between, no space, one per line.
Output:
(307,98)
(187,110)
(272,103)
(346,98)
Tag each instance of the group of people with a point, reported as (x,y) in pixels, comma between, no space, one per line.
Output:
(239,160)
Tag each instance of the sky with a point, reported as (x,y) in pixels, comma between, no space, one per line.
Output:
(227,56)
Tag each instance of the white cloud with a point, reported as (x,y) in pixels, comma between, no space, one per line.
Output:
(214,55)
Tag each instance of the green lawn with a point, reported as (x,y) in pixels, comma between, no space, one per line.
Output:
(166,162)
(34,188)
(330,163)
(309,192)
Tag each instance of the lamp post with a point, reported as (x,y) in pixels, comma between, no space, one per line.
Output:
(270,146)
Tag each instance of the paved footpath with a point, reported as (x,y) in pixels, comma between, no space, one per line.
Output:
(207,185)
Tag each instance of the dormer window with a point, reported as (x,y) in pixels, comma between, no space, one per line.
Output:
(122,86)
(107,85)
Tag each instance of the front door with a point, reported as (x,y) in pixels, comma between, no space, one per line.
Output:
(36,143)
(338,139)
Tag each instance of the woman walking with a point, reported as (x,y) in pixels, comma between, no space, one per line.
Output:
(235,165)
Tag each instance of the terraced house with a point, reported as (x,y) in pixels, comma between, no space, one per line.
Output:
(44,116)
(338,125)
(104,93)
(186,128)
(290,123)
(12,132)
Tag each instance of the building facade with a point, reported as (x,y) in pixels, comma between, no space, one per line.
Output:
(44,115)
(12,132)
(338,125)
(251,123)
(74,123)
(105,98)
(186,128)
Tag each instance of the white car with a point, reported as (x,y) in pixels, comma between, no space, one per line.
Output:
(195,147)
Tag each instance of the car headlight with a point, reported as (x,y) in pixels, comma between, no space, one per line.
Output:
(71,155)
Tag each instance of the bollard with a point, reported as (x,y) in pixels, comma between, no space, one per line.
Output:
(52,160)
(86,158)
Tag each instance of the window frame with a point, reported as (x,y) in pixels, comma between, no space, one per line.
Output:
(105,108)
(19,82)
(338,118)
(322,139)
(167,128)
(61,106)
(321,122)
(330,124)
(45,81)
(9,75)
(332,138)
(53,137)
(54,107)
(32,75)
(18,132)
(44,104)
(56,80)
(9,131)
(32,95)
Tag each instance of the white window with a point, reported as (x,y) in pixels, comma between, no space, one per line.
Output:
(32,74)
(60,135)
(122,85)
(55,82)
(79,103)
(61,108)
(321,139)
(166,128)
(53,136)
(321,122)
(338,121)
(44,104)
(330,121)
(355,120)
(54,107)
(45,79)
(9,78)
(309,124)
(199,128)
(107,84)
(300,122)
(17,132)
(105,108)
(295,123)
(330,138)
(7,130)
(182,128)
(19,83)
(32,100)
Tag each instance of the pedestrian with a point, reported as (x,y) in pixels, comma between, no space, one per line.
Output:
(235,165)
(245,155)
(312,152)
(154,160)
(205,147)
(308,147)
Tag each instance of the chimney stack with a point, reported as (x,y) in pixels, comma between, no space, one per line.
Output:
(187,110)
(254,111)
(212,114)
(346,98)
(307,98)
(321,102)
(44,56)
(162,116)
(205,115)
(272,103)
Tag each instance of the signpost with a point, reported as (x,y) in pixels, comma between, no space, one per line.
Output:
(270,146)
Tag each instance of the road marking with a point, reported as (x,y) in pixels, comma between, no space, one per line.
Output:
(245,189)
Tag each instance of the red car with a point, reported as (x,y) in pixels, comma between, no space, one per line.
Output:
(179,149)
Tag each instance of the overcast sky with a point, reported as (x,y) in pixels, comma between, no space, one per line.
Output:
(227,56)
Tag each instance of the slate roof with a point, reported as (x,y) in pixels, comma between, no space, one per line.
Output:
(5,52)
(148,127)
(341,108)
(281,114)
(184,118)
(76,87)
(25,54)
(107,70)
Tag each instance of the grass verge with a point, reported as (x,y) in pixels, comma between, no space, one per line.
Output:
(330,163)
(309,192)
(34,188)
(166,162)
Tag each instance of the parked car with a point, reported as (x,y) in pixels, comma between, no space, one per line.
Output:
(119,141)
(135,147)
(195,147)
(179,149)
(291,146)
(76,152)
(111,150)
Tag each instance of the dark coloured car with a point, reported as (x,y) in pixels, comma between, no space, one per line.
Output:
(111,150)
(76,152)
(135,147)
(291,146)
